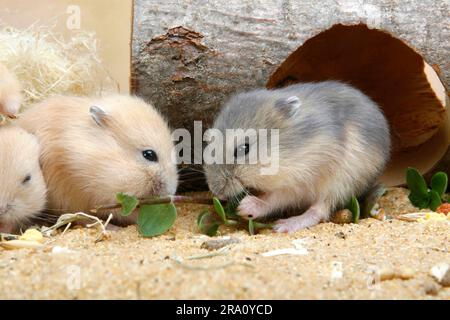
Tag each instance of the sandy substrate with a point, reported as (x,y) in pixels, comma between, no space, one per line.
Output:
(340,262)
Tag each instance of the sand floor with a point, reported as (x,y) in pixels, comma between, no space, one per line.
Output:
(340,262)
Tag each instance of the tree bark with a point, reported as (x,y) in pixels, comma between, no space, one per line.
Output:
(238,44)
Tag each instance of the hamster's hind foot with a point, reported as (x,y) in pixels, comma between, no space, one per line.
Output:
(309,218)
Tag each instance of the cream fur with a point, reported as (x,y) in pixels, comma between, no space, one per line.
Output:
(19,157)
(86,164)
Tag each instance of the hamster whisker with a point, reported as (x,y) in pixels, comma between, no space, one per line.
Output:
(190,174)
(43,219)
(192,179)
(190,170)
(48,214)
(54,212)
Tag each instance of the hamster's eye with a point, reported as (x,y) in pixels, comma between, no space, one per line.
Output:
(26,179)
(243,149)
(150,155)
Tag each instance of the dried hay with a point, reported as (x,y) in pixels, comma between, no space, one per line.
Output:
(46,64)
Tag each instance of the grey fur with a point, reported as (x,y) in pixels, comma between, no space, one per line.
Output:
(327,109)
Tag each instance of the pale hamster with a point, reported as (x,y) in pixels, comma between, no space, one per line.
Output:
(22,186)
(93,148)
(334,143)
(10,92)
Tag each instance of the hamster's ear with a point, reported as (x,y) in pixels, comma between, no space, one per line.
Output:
(98,115)
(288,106)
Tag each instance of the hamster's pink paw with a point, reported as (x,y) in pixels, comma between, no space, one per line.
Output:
(10,105)
(292,224)
(251,207)
(308,219)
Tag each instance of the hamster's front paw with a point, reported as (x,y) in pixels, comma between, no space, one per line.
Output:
(251,207)
(10,104)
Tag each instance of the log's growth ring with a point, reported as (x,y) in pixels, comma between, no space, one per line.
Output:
(394,75)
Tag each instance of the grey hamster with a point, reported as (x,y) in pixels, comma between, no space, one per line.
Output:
(334,143)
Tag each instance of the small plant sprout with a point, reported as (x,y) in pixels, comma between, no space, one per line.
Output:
(128,203)
(423,197)
(354,208)
(155,215)
(209,221)
(153,219)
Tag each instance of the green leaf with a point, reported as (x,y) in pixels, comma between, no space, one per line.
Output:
(219,209)
(232,205)
(415,181)
(260,225)
(435,200)
(231,210)
(156,219)
(353,206)
(420,201)
(200,216)
(439,183)
(129,203)
(208,224)
(251,227)
(418,195)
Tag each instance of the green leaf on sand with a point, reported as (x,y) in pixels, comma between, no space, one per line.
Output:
(208,223)
(353,206)
(418,195)
(232,205)
(435,200)
(200,216)
(219,209)
(129,203)
(260,225)
(156,219)
(439,183)
(251,227)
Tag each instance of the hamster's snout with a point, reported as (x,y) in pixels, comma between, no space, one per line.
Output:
(170,187)
(223,184)
(161,185)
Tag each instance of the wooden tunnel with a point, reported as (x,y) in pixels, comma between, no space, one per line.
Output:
(394,75)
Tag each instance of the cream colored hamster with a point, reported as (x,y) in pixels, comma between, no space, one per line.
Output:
(333,144)
(94,148)
(22,186)
(10,92)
